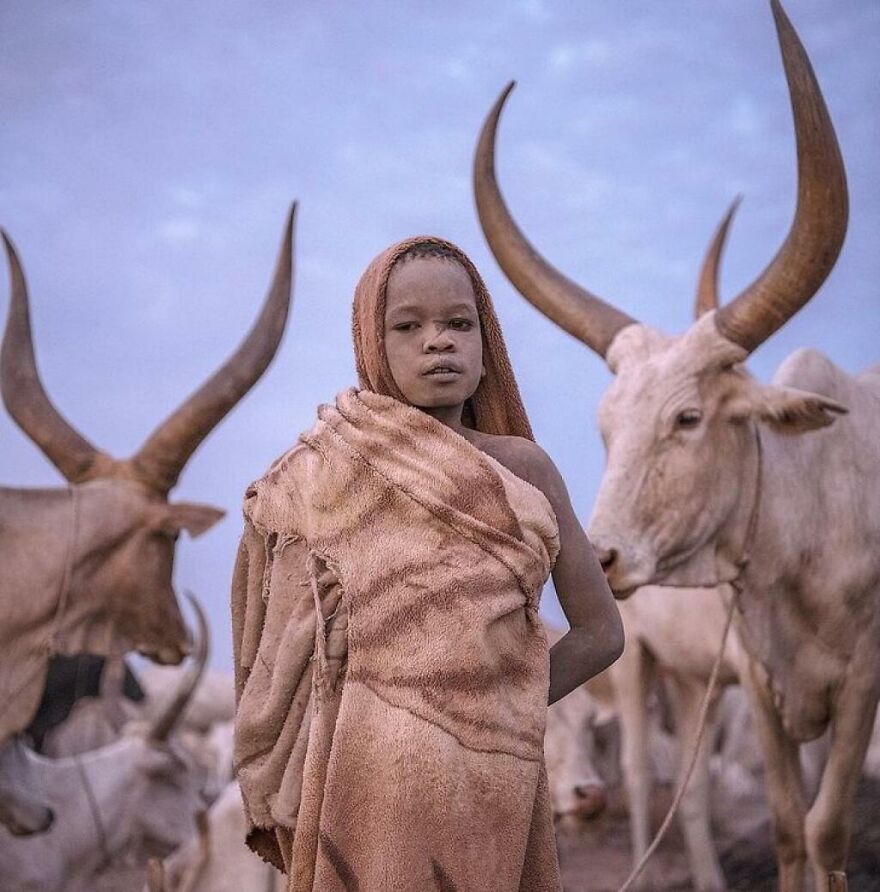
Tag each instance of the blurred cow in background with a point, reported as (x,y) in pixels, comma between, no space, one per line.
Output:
(216,859)
(136,794)
(574,775)
(71,683)
(88,568)
(676,634)
(23,810)
(713,478)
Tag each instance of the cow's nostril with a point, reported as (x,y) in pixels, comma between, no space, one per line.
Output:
(607,557)
(592,800)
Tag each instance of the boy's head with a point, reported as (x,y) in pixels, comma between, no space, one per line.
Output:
(433,339)
(425,332)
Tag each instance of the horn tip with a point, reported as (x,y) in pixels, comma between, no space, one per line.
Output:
(290,223)
(7,242)
(734,207)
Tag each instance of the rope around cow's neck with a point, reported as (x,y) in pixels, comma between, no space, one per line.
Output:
(736,587)
(94,809)
(67,571)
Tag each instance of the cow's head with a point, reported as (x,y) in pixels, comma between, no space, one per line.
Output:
(22,811)
(123,527)
(679,420)
(577,791)
(162,794)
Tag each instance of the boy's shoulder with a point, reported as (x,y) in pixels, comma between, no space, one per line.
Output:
(523,457)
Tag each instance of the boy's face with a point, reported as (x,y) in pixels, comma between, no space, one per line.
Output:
(432,332)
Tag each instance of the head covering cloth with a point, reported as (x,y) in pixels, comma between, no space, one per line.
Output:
(496,407)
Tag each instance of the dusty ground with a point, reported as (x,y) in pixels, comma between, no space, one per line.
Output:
(596,858)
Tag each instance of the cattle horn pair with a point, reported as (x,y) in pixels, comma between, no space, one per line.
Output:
(792,277)
(162,457)
(164,723)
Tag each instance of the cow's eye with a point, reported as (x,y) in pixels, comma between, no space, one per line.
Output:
(688,419)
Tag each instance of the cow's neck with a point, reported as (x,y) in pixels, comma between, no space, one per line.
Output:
(101,782)
(789,550)
(792,597)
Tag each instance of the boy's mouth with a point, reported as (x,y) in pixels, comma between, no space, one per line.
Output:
(441,369)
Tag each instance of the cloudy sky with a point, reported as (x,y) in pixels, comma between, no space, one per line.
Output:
(150,148)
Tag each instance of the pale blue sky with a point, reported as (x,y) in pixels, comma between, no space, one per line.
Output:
(149,151)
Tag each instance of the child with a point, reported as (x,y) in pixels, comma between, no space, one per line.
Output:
(392,672)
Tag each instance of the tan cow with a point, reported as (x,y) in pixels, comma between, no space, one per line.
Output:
(88,567)
(714,478)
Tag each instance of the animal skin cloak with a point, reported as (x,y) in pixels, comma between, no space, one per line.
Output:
(392,673)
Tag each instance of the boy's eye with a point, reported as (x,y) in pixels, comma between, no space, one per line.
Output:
(405,326)
(461,324)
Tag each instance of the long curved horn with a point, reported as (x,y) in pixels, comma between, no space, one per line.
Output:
(162,457)
(707,283)
(168,718)
(573,308)
(816,236)
(23,392)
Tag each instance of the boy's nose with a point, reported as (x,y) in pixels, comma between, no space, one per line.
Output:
(440,343)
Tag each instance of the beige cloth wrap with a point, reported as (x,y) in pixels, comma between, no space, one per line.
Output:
(397,742)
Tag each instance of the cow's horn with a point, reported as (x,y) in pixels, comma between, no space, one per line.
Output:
(163,456)
(168,718)
(580,313)
(707,283)
(816,235)
(23,392)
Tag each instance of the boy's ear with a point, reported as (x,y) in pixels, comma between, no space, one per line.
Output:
(786,409)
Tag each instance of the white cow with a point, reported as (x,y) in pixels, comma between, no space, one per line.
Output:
(138,791)
(217,859)
(212,702)
(678,632)
(577,788)
(23,810)
(713,478)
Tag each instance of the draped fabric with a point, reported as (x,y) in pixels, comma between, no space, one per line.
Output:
(391,669)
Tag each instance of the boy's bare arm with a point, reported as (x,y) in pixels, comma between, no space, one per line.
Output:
(595,639)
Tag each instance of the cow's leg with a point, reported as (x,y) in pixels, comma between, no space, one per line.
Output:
(783,782)
(631,675)
(814,755)
(694,810)
(829,820)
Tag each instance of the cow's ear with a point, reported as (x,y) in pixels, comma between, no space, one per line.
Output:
(192,517)
(785,409)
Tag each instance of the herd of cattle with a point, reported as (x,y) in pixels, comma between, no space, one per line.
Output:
(103,774)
